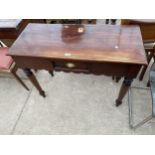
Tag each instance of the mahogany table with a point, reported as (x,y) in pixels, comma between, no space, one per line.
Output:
(97,49)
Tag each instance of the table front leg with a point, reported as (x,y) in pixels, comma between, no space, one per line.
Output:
(124,89)
(34,81)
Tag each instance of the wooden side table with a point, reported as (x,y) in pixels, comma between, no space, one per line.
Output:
(96,49)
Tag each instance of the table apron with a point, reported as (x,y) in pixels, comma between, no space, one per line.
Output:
(98,68)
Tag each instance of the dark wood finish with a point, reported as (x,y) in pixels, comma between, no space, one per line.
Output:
(108,43)
(34,81)
(97,49)
(51,73)
(13,71)
(71,21)
(9,23)
(118,79)
(126,84)
(9,31)
(36,21)
(124,88)
(11,28)
(147,27)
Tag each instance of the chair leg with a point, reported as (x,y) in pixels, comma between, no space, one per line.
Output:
(13,72)
(142,73)
(132,126)
(148,83)
(1,44)
(149,57)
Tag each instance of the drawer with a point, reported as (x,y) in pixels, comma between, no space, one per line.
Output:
(73,66)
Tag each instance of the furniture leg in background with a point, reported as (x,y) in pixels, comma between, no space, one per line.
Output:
(13,71)
(113,21)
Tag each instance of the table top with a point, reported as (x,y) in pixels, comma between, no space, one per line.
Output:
(9,23)
(102,43)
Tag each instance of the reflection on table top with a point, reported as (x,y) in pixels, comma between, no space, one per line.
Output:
(109,43)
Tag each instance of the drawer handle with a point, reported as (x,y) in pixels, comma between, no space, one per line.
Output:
(70,65)
(80,30)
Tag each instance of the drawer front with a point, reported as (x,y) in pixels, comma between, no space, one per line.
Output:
(72,66)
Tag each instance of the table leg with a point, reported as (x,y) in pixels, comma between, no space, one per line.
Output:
(34,81)
(107,21)
(51,73)
(124,89)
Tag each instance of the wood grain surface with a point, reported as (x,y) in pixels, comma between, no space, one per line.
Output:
(102,43)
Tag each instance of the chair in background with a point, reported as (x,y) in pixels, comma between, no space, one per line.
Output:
(147,28)
(152,89)
(7,65)
(10,29)
(112,21)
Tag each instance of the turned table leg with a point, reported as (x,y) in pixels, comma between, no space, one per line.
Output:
(34,81)
(124,89)
(51,73)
